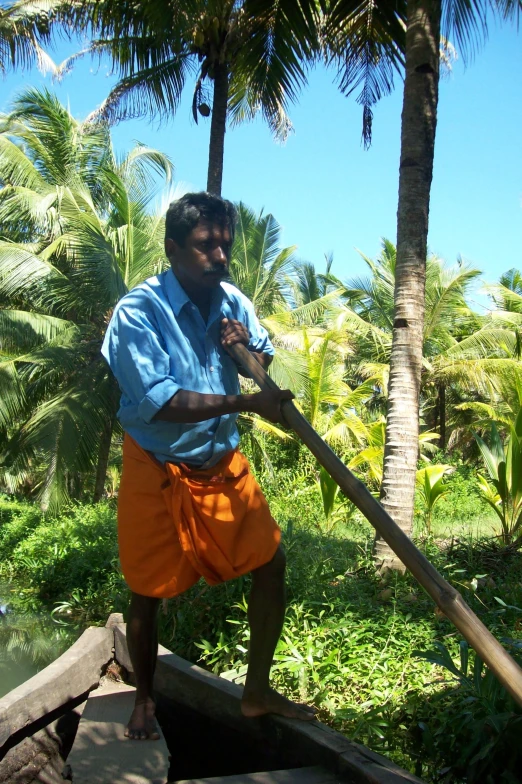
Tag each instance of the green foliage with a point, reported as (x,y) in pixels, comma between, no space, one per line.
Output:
(71,560)
(476,726)
(17,520)
(329,490)
(258,265)
(462,511)
(77,233)
(349,641)
(431,489)
(504,466)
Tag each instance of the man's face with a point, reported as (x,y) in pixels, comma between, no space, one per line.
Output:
(202,262)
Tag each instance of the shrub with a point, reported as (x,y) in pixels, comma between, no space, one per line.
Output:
(17,520)
(71,560)
(462,510)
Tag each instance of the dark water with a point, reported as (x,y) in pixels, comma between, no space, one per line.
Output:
(29,640)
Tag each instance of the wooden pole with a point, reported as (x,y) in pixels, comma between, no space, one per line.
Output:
(444,595)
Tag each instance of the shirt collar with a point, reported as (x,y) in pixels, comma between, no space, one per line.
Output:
(176,294)
(178,297)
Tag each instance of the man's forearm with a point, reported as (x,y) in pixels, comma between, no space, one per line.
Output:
(186,407)
(263,359)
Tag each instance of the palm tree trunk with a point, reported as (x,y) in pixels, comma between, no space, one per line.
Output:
(113,398)
(419,118)
(217,129)
(442,415)
(103,458)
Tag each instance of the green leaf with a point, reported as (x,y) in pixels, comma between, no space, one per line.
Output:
(329,490)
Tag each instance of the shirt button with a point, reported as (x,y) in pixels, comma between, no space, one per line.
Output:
(211,369)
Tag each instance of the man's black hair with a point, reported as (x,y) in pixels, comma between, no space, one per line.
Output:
(184,215)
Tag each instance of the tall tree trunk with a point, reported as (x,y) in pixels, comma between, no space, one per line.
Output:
(105,440)
(442,415)
(218,128)
(103,459)
(419,119)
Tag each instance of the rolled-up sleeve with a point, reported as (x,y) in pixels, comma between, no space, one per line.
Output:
(138,359)
(259,339)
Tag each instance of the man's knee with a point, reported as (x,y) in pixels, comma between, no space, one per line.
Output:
(274,568)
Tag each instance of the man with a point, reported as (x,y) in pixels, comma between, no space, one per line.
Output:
(188,505)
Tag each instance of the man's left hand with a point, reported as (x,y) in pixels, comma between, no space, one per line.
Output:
(233,332)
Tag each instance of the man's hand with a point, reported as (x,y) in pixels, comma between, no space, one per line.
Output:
(233,332)
(268,404)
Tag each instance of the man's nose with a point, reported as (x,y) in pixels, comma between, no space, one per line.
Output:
(220,257)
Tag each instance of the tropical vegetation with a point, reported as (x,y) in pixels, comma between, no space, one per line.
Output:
(420,395)
(77,234)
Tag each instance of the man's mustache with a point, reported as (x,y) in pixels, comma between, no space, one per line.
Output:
(219,270)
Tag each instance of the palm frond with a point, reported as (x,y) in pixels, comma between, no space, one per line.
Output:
(24,26)
(278,42)
(155,90)
(465,23)
(366,42)
(22,329)
(22,273)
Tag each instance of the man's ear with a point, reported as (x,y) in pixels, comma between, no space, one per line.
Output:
(171,247)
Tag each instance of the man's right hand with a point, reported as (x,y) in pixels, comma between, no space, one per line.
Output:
(268,404)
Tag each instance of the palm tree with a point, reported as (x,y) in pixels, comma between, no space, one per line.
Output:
(89,240)
(244,57)
(485,366)
(448,320)
(307,285)
(462,22)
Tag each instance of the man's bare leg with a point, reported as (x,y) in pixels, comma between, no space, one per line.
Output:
(266,612)
(142,641)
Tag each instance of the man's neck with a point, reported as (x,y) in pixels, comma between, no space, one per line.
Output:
(201,297)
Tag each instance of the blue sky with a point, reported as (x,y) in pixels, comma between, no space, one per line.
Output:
(327,192)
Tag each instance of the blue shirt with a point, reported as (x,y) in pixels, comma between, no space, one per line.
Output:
(157,343)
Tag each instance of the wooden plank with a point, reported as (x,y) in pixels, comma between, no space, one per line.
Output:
(72,674)
(307,743)
(314,775)
(364,766)
(102,755)
(313,742)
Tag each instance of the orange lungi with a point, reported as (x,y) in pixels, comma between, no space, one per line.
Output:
(177,524)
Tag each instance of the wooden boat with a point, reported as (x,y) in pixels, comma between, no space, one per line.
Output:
(43,740)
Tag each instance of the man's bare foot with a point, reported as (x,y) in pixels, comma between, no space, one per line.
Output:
(253,705)
(142,724)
